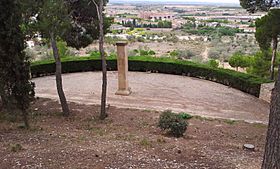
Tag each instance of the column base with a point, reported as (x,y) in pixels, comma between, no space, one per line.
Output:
(123,92)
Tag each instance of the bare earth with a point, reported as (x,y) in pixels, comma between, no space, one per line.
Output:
(161,92)
(128,138)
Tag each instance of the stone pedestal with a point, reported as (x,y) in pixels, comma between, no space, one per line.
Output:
(123,88)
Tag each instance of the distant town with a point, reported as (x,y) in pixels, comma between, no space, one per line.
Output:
(193,31)
(151,15)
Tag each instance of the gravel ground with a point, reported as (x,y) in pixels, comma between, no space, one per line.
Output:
(161,92)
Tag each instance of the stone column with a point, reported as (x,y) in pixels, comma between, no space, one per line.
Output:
(123,88)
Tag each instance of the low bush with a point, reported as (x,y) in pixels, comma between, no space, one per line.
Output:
(63,49)
(182,54)
(239,60)
(95,54)
(213,63)
(244,82)
(146,52)
(185,116)
(173,123)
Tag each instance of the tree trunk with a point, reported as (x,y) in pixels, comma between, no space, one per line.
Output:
(272,149)
(103,113)
(3,102)
(25,118)
(273,58)
(58,73)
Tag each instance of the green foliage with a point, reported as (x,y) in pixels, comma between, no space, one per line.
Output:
(62,49)
(244,82)
(16,90)
(75,22)
(53,18)
(174,53)
(217,20)
(256,5)
(268,28)
(85,30)
(192,19)
(146,52)
(218,31)
(230,122)
(182,54)
(164,24)
(185,116)
(267,33)
(173,123)
(213,63)
(261,62)
(95,54)
(252,25)
(239,60)
(136,24)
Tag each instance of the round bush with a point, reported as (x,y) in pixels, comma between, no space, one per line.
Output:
(172,123)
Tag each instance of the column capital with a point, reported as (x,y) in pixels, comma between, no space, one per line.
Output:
(121,43)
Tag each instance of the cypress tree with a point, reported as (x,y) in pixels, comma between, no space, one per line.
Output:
(15,88)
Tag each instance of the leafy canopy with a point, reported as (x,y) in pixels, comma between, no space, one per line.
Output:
(239,60)
(53,18)
(259,5)
(73,21)
(267,28)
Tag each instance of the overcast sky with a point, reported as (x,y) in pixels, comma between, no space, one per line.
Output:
(213,1)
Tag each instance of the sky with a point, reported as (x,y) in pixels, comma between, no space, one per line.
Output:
(182,1)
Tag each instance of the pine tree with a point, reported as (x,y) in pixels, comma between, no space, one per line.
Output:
(53,21)
(267,33)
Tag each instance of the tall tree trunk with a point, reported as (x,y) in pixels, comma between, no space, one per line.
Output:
(274,52)
(25,118)
(272,149)
(58,73)
(3,102)
(103,113)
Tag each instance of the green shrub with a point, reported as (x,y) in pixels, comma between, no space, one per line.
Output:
(261,62)
(241,81)
(185,116)
(173,123)
(151,52)
(146,52)
(213,63)
(182,54)
(239,60)
(95,54)
(62,49)
(174,53)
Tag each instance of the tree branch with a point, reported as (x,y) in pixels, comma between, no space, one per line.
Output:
(97,9)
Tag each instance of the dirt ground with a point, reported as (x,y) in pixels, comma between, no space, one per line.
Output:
(155,91)
(128,138)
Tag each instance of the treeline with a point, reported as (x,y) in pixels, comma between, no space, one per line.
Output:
(204,30)
(135,24)
(258,64)
(263,63)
